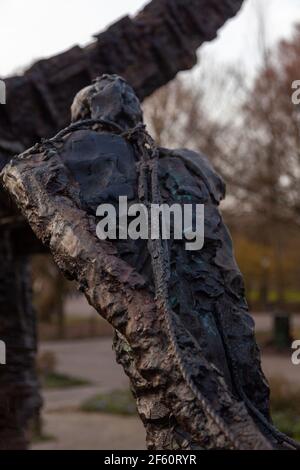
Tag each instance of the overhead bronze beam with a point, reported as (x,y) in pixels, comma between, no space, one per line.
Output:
(148,50)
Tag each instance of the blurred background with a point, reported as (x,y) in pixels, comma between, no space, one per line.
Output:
(235,107)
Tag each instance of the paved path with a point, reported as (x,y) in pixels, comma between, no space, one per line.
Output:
(94,361)
(281,367)
(91,359)
(91,431)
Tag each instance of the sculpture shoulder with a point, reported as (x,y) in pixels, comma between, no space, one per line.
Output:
(102,163)
(198,167)
(189,173)
(83,145)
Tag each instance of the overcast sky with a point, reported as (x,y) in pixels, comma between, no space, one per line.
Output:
(32,29)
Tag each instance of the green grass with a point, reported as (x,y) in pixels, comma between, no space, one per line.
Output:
(285,407)
(55,380)
(288,423)
(290,296)
(41,438)
(119,402)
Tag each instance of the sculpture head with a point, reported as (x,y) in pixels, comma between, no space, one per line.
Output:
(109,98)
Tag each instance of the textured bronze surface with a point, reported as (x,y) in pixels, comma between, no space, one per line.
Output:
(203,386)
(149,50)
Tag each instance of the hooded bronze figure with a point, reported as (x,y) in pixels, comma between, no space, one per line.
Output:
(183,332)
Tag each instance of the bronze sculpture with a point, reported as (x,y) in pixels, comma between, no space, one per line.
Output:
(170,32)
(163,301)
(37,106)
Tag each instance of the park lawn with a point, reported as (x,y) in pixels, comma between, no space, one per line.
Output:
(56,380)
(291,296)
(119,402)
(285,407)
